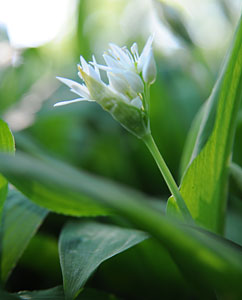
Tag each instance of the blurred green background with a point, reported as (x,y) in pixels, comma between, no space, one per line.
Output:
(191,38)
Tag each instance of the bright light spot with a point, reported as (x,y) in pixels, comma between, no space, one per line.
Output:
(31,23)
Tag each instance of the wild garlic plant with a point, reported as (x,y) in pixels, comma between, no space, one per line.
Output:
(126,97)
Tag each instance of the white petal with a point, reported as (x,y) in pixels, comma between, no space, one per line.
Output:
(149,68)
(145,52)
(81,90)
(102,67)
(70,101)
(134,81)
(95,67)
(66,81)
(111,62)
(128,54)
(118,82)
(137,102)
(121,55)
(75,87)
(93,73)
(135,51)
(84,65)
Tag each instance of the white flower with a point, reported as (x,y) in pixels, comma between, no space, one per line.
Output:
(129,75)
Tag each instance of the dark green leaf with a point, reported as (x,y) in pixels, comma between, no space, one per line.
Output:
(84,246)
(21,219)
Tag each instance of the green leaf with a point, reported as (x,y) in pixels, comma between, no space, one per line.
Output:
(233,227)
(64,202)
(214,260)
(84,246)
(6,138)
(56,293)
(6,145)
(21,219)
(236,172)
(204,183)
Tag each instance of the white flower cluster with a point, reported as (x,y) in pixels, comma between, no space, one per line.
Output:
(129,74)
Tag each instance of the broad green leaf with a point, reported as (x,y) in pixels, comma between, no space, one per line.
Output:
(204,183)
(64,202)
(216,262)
(84,246)
(6,145)
(21,219)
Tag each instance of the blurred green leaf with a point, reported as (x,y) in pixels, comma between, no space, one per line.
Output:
(20,221)
(236,172)
(47,246)
(203,185)
(174,20)
(233,227)
(214,260)
(84,246)
(56,293)
(60,201)
(6,145)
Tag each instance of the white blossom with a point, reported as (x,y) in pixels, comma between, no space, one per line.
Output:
(129,75)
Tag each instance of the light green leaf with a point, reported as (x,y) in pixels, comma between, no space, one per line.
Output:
(6,145)
(84,246)
(21,219)
(204,183)
(214,260)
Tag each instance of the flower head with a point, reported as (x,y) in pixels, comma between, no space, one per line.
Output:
(125,97)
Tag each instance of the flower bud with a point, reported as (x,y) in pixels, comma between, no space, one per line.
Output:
(149,68)
(127,114)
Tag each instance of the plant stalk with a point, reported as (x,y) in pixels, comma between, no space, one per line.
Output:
(151,145)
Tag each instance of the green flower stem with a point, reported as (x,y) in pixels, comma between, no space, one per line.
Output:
(150,143)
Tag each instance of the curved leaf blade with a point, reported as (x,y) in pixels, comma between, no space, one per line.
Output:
(20,221)
(84,246)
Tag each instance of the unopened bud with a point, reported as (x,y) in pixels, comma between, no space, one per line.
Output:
(149,68)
